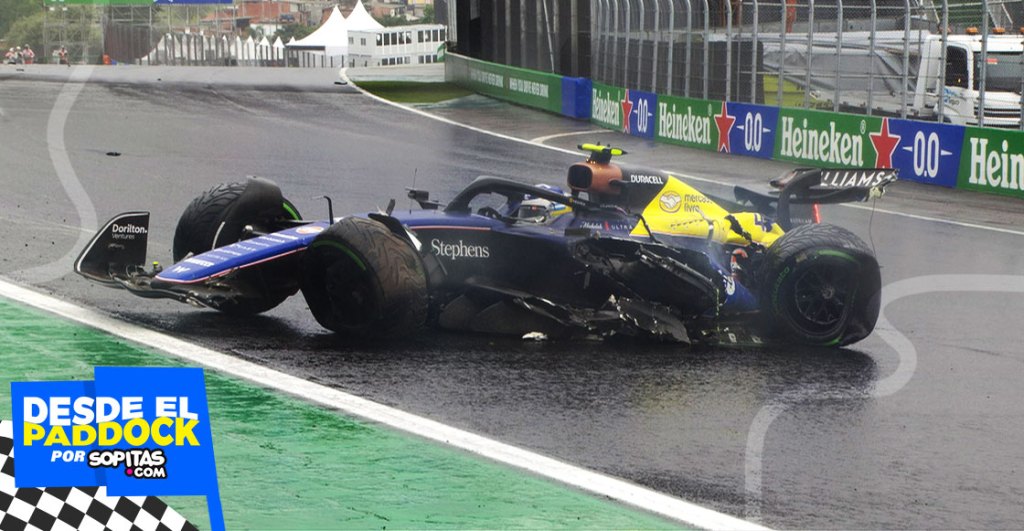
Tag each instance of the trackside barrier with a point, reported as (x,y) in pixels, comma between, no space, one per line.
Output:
(569,96)
(967,158)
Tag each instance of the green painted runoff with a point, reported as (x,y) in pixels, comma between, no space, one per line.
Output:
(286,464)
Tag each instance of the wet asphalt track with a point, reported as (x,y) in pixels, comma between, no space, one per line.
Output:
(868,437)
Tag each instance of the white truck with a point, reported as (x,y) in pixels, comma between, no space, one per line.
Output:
(845,69)
(960,90)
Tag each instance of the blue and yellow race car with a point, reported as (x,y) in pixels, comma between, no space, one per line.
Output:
(620,251)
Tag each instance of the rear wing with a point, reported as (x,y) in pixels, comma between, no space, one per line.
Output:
(816,186)
(117,250)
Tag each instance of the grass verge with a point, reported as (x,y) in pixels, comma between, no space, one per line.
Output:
(792,95)
(413,91)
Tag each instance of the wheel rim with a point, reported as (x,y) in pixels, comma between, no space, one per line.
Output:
(348,287)
(821,295)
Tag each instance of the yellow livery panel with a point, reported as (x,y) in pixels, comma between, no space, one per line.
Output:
(681,210)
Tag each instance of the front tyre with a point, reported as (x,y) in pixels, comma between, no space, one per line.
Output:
(219,217)
(360,280)
(820,285)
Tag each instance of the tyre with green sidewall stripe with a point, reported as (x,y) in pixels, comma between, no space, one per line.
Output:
(362,281)
(218,217)
(820,285)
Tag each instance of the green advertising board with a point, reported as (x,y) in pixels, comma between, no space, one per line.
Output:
(992,160)
(687,122)
(826,139)
(518,85)
(606,106)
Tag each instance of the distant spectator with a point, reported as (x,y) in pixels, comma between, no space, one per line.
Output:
(9,57)
(18,58)
(28,55)
(62,54)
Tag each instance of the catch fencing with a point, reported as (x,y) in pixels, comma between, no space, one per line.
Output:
(897,58)
(953,61)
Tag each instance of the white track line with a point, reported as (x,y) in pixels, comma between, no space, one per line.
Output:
(537,142)
(580,478)
(545,138)
(937,220)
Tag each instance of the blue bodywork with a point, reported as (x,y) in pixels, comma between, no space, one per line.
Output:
(439,231)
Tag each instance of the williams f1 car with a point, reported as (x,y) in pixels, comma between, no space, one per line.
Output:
(626,251)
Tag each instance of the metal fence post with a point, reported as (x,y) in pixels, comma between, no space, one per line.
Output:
(522,34)
(639,44)
(548,29)
(707,49)
(871,59)
(810,54)
(542,29)
(657,42)
(754,54)
(982,71)
(839,56)
(599,42)
(689,45)
(508,31)
(671,45)
(941,85)
(1021,122)
(728,49)
(602,51)
(906,58)
(615,45)
(625,67)
(782,51)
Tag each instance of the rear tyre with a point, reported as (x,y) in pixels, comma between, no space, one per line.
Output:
(360,280)
(820,286)
(219,216)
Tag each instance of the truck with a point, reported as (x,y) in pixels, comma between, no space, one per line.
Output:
(839,70)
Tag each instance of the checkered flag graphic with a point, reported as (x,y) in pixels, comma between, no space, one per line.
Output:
(69,509)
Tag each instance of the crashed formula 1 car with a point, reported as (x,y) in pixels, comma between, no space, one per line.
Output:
(626,251)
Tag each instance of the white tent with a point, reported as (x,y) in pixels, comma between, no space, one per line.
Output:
(249,50)
(360,20)
(331,37)
(278,50)
(263,49)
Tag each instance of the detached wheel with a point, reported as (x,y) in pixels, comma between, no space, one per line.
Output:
(820,286)
(360,280)
(219,216)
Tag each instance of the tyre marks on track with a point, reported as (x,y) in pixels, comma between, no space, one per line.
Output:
(68,178)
